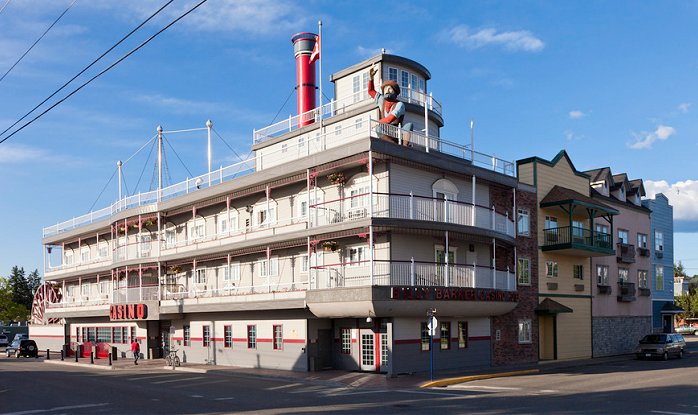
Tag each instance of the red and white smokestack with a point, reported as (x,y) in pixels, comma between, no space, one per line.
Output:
(303,44)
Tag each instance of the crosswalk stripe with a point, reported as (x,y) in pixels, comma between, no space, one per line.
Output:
(176,380)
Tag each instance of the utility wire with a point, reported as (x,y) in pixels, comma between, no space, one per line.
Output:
(103,189)
(4,5)
(282,107)
(37,40)
(134,50)
(88,66)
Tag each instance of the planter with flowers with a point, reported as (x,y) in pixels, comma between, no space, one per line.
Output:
(337,178)
(330,246)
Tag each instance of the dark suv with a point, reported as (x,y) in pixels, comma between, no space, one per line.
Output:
(661,345)
(27,348)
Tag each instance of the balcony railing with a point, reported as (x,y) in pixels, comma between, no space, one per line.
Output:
(135,294)
(626,291)
(572,236)
(398,206)
(626,253)
(182,292)
(410,273)
(336,108)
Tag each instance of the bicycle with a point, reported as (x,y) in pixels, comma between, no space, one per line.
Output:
(172,359)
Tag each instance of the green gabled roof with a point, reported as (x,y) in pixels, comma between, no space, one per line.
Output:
(559,195)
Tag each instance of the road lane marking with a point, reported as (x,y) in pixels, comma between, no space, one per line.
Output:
(196,396)
(150,377)
(284,386)
(482,387)
(58,408)
(671,413)
(176,380)
(224,399)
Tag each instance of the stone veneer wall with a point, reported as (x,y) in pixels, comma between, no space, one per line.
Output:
(618,335)
(507,350)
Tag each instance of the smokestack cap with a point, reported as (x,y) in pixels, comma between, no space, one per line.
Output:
(303,43)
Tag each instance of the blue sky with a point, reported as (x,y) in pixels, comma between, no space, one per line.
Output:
(613,83)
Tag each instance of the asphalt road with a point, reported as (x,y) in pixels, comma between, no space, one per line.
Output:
(626,386)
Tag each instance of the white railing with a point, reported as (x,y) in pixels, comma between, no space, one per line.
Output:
(339,107)
(396,206)
(181,292)
(81,301)
(411,273)
(134,294)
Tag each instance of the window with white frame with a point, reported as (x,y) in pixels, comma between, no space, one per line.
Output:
(602,228)
(145,244)
(301,142)
(659,241)
(551,269)
(440,256)
(222,223)
(200,276)
(642,278)
(265,213)
(85,290)
(103,249)
(641,240)
(197,229)
(358,123)
(413,82)
(523,271)
(578,271)
(337,129)
(525,331)
(356,255)
(346,340)
(550,222)
(392,74)
(522,222)
(602,274)
(623,275)
(315,198)
(404,80)
(316,259)
(577,230)
(269,267)
(68,258)
(85,254)
(105,288)
(304,263)
(284,147)
(229,273)
(170,236)
(659,278)
(623,236)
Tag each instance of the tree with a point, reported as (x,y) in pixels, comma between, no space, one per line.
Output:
(34,281)
(21,293)
(679,270)
(689,303)
(9,310)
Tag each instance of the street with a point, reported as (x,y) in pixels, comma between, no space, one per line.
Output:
(624,386)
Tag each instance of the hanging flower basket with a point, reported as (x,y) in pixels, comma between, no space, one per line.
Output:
(330,246)
(150,221)
(175,269)
(337,178)
(121,229)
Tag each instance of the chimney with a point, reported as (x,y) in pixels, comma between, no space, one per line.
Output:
(303,44)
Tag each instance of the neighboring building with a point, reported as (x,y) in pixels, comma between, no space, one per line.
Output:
(325,249)
(567,241)
(680,286)
(621,305)
(662,263)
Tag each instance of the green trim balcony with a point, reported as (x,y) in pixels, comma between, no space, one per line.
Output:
(577,241)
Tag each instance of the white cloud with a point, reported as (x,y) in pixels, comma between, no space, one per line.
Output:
(645,139)
(576,114)
(684,107)
(17,153)
(572,136)
(522,40)
(682,195)
(367,52)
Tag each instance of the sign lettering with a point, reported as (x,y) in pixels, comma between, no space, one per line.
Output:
(453,294)
(128,312)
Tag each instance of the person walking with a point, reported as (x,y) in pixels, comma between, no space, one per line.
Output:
(136,349)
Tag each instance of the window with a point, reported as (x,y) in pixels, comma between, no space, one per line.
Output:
(85,289)
(206,336)
(551,268)
(304,263)
(578,231)
(265,215)
(104,335)
(357,255)
(462,334)
(200,276)
(413,81)
(92,334)
(278,337)
(522,222)
(85,255)
(197,229)
(404,80)
(602,274)
(103,249)
(145,245)
(284,147)
(358,123)
(445,327)
(550,222)
(105,288)
(133,333)
(359,196)
(230,272)
(392,74)
(426,339)
(578,271)
(170,237)
(623,236)
(659,280)
(269,267)
(116,335)
(124,335)
(187,336)
(68,258)
(658,241)
(346,341)
(602,228)
(642,278)
(421,85)
(315,198)
(337,130)
(227,336)
(641,240)
(523,271)
(252,337)
(301,142)
(222,222)
(525,332)
(622,275)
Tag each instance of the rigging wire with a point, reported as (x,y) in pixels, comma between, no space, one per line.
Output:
(180,159)
(150,153)
(282,107)
(134,50)
(37,40)
(103,189)
(4,5)
(228,145)
(87,67)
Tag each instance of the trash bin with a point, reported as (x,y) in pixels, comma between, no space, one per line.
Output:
(114,353)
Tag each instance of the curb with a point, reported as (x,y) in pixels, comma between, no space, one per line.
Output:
(462,379)
(87,365)
(185,369)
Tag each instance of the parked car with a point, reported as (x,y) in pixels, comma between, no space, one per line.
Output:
(687,330)
(661,345)
(3,340)
(20,336)
(12,348)
(27,348)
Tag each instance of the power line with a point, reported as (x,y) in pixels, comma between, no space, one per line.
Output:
(37,40)
(134,50)
(88,67)
(4,5)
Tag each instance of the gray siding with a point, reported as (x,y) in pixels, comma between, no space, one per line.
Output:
(618,335)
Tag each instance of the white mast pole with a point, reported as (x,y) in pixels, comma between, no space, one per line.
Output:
(319,39)
(209,126)
(119,164)
(159,129)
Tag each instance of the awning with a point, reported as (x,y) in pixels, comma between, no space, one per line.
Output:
(671,308)
(562,196)
(550,307)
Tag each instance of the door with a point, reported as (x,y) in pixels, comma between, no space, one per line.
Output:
(368,350)
(546,330)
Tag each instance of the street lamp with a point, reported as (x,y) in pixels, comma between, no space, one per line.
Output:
(431,325)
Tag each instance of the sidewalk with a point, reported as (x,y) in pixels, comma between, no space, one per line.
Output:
(342,378)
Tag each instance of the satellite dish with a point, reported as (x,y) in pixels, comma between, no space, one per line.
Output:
(199,182)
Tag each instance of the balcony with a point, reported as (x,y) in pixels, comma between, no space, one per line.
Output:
(643,252)
(410,207)
(626,291)
(577,241)
(625,253)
